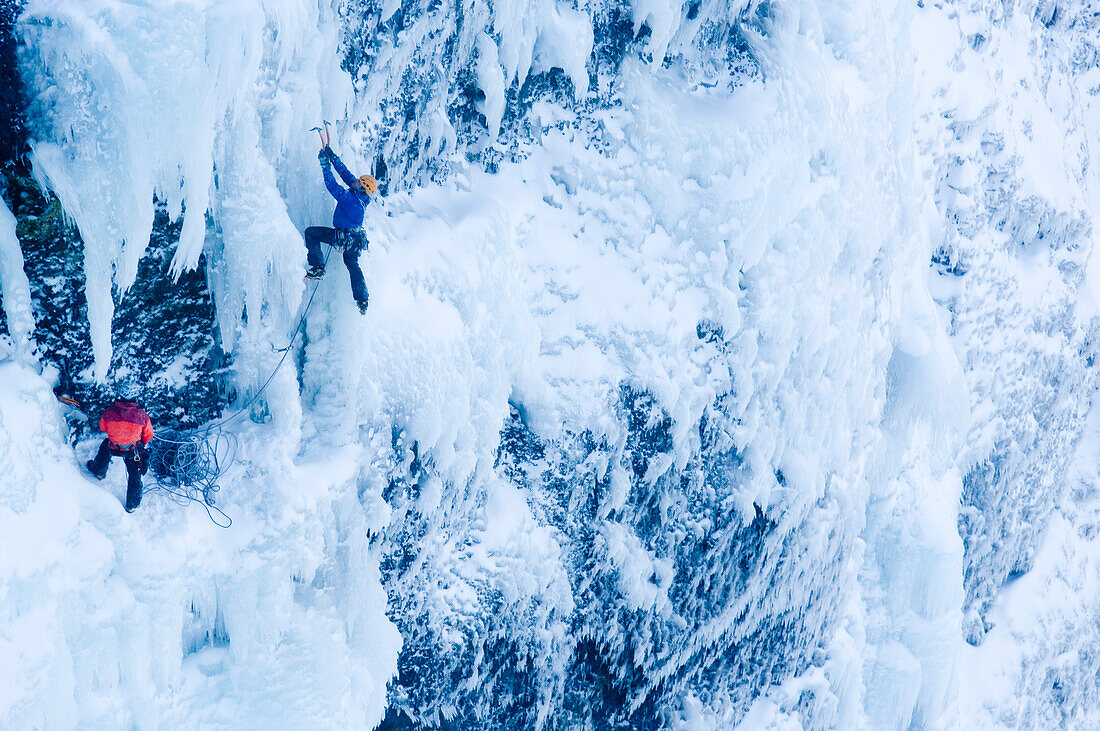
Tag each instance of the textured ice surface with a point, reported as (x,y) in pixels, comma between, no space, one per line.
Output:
(1038,665)
(160,619)
(659,415)
(1014,183)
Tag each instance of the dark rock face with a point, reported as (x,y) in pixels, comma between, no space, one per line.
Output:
(12,132)
(163,330)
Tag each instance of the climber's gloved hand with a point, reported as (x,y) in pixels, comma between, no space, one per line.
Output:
(323,157)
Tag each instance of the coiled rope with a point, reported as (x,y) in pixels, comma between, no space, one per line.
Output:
(188,466)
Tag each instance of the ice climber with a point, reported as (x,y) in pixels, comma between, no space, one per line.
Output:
(346,232)
(129,430)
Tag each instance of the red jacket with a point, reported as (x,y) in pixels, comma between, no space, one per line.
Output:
(125,423)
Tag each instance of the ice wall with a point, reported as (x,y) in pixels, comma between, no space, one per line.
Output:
(116,623)
(658,415)
(432,79)
(725,374)
(1014,182)
(1038,663)
(206,106)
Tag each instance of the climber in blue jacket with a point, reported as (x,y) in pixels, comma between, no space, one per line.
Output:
(346,232)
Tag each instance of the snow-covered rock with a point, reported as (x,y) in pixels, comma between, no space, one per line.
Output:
(724,361)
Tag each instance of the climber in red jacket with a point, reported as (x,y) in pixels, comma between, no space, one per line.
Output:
(129,431)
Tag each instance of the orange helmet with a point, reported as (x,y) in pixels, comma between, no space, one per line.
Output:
(369,184)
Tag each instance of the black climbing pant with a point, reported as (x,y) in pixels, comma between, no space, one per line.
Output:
(133,459)
(351,240)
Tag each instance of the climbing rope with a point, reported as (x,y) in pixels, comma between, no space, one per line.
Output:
(187,465)
(218,424)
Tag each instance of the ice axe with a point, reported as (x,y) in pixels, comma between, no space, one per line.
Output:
(326,137)
(74,406)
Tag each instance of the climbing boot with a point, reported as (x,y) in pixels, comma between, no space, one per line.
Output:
(91,468)
(315,273)
(362,306)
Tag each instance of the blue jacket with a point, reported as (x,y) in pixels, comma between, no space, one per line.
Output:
(350,201)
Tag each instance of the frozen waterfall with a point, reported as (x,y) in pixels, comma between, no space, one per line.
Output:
(728,364)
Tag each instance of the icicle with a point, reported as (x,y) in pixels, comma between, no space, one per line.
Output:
(136,101)
(15,288)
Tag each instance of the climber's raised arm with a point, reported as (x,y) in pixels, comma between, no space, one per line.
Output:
(341,168)
(334,188)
